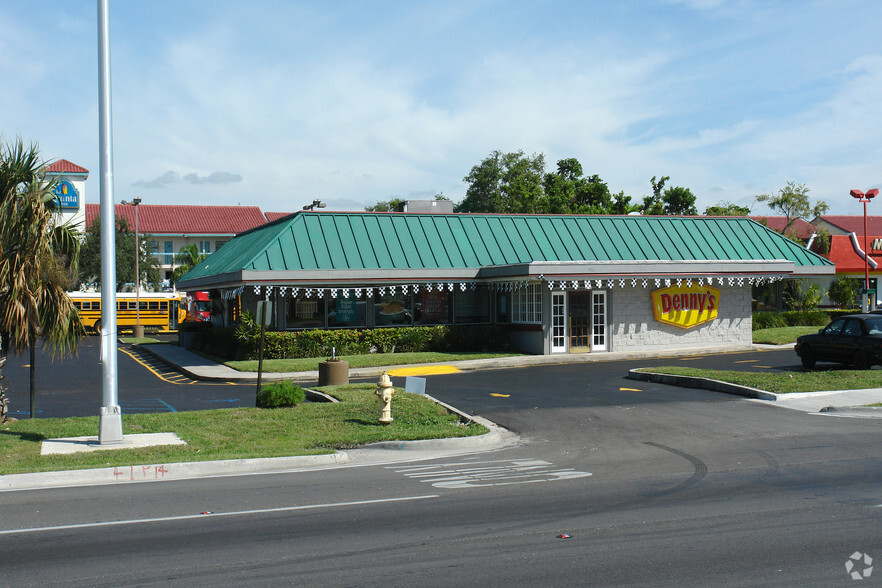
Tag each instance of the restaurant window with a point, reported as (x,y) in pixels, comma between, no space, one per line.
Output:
(347,312)
(472,306)
(433,308)
(526,304)
(393,310)
(503,307)
(302,313)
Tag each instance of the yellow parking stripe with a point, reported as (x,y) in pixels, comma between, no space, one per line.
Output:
(171,377)
(497,395)
(428,370)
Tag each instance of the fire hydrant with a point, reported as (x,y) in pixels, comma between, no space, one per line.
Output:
(385,392)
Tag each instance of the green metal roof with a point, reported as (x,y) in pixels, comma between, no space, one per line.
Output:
(406,242)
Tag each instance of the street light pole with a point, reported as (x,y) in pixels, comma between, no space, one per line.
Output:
(866,197)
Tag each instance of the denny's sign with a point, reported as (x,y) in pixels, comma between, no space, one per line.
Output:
(685,306)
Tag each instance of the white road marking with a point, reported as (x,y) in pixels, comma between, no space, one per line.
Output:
(472,474)
(213,514)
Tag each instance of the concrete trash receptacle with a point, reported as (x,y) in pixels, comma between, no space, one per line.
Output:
(333,373)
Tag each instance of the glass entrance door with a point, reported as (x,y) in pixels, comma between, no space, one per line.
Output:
(580,322)
(558,322)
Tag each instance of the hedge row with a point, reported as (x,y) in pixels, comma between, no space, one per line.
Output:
(244,343)
(793,318)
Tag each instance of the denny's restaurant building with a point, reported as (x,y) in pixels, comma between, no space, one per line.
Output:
(559,284)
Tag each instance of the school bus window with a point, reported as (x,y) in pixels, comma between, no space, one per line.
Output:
(154,306)
(163,306)
(78,306)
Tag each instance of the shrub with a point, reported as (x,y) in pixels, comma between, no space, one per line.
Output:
(844,292)
(768,320)
(280,394)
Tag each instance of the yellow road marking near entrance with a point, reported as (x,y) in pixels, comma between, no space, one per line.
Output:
(746,361)
(428,370)
(630,390)
(497,395)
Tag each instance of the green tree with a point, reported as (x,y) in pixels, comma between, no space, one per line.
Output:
(90,257)
(792,202)
(726,209)
(386,205)
(505,183)
(34,255)
(676,200)
(844,292)
(187,258)
(568,192)
(801,295)
(654,205)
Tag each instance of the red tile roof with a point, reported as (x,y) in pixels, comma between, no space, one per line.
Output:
(799,228)
(271,216)
(63,166)
(161,219)
(847,260)
(854,223)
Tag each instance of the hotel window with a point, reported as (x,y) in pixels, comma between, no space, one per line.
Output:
(526,304)
(205,247)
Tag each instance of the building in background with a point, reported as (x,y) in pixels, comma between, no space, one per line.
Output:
(168,228)
(70,190)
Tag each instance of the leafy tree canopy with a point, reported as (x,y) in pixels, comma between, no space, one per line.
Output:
(792,202)
(727,209)
(90,256)
(518,183)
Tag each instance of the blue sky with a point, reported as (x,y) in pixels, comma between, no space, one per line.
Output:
(277,103)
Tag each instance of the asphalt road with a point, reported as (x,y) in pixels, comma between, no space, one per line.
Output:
(72,386)
(616,482)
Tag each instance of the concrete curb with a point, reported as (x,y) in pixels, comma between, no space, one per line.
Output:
(705,383)
(856,411)
(166,472)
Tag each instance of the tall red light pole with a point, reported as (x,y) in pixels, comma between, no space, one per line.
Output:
(866,197)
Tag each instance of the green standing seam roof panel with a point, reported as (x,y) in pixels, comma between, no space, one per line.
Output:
(335,241)
(522,242)
(461,240)
(378,244)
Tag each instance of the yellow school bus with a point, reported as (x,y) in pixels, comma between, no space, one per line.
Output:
(159,311)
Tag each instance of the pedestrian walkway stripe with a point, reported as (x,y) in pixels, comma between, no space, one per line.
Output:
(489,473)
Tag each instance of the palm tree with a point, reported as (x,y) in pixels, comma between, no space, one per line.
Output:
(188,258)
(34,253)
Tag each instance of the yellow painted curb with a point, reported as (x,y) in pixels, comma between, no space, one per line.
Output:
(429,370)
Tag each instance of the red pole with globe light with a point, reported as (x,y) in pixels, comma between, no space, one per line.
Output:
(865,197)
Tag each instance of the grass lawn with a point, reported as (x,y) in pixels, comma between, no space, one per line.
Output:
(783,383)
(781,335)
(357,361)
(238,433)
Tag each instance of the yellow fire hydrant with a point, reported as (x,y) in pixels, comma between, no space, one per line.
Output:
(385,392)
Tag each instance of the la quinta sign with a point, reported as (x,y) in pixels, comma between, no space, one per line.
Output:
(685,306)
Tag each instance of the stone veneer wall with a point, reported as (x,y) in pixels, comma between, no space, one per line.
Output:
(632,325)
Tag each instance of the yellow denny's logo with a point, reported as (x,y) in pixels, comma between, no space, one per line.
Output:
(685,306)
